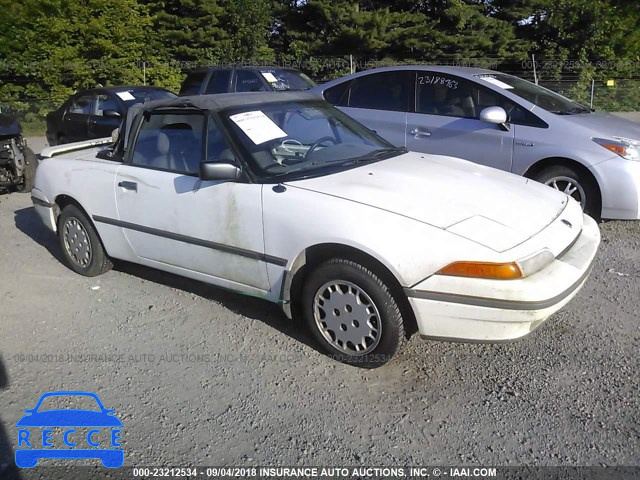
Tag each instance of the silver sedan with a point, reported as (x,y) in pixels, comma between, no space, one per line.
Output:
(504,122)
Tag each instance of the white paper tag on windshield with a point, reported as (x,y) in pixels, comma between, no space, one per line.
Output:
(126,96)
(497,83)
(257,126)
(269,77)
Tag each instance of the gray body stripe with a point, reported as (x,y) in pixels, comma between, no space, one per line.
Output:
(497,302)
(193,241)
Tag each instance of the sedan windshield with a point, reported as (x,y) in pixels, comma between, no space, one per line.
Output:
(282,80)
(306,138)
(542,97)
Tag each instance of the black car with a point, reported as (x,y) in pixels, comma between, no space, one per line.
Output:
(95,113)
(244,79)
(17,161)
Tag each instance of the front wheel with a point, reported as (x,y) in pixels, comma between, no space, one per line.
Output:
(578,185)
(80,244)
(352,313)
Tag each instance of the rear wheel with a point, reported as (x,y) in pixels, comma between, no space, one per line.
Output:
(578,185)
(82,249)
(352,313)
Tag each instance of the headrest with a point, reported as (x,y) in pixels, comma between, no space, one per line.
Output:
(162,143)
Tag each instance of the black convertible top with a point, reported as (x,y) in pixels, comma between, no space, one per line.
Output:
(217,102)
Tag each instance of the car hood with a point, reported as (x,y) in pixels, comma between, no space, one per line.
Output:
(494,208)
(605,125)
(69,418)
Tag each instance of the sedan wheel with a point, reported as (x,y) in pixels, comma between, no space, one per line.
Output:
(347,317)
(575,183)
(82,249)
(76,242)
(352,313)
(569,186)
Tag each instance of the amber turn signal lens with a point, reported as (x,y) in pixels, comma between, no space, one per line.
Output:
(618,149)
(495,271)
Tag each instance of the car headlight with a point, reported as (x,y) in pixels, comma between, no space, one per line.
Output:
(500,271)
(625,147)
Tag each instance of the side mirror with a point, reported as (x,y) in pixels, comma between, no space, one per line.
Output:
(218,171)
(495,115)
(111,114)
(115,135)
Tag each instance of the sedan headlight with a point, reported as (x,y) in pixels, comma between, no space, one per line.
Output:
(500,271)
(625,147)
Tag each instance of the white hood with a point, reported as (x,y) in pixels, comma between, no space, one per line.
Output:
(494,208)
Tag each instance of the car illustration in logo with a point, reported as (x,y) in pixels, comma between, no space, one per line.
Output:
(84,433)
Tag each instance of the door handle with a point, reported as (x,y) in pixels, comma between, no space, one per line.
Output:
(129,186)
(420,132)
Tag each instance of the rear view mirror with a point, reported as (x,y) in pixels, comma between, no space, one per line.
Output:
(496,115)
(111,114)
(218,171)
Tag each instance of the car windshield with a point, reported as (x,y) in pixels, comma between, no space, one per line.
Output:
(69,402)
(542,97)
(305,138)
(282,80)
(142,95)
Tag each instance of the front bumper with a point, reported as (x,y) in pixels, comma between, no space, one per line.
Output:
(481,310)
(619,182)
(44,208)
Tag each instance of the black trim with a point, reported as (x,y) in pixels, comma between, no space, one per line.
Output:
(42,203)
(281,262)
(498,302)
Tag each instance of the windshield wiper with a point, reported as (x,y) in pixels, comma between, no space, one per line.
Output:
(376,154)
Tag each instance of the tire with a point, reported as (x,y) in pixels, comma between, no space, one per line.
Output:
(31,163)
(575,183)
(358,291)
(80,244)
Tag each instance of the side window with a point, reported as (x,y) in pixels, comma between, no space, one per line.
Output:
(218,149)
(247,81)
(170,141)
(105,102)
(441,94)
(338,95)
(381,91)
(191,84)
(515,113)
(81,105)
(219,82)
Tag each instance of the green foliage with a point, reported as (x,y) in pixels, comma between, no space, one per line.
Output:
(51,48)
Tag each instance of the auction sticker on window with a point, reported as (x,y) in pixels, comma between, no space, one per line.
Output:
(257,126)
(496,82)
(269,77)
(126,96)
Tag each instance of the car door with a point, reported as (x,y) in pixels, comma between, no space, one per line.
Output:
(76,118)
(446,121)
(380,101)
(106,117)
(173,219)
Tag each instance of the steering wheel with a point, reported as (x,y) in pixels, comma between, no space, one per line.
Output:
(318,143)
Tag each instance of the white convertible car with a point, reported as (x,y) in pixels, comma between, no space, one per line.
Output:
(282,196)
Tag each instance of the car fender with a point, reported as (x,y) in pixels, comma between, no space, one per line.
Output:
(297,219)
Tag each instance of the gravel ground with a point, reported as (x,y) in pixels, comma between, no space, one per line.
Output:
(205,377)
